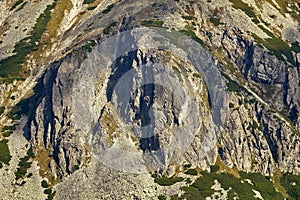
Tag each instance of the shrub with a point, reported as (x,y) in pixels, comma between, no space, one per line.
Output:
(108,9)
(292,185)
(2,110)
(165,181)
(162,197)
(47,191)
(5,153)
(214,168)
(215,21)
(191,172)
(44,184)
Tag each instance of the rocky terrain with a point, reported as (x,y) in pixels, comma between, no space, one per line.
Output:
(170,99)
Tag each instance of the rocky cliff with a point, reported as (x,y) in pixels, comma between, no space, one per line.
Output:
(125,89)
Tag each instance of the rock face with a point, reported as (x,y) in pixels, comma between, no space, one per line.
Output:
(149,107)
(148,87)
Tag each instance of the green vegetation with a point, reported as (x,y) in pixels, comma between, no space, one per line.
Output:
(4,152)
(292,185)
(48,190)
(108,9)
(19,109)
(278,47)
(76,167)
(165,181)
(190,32)
(214,168)
(232,85)
(296,47)
(89,45)
(22,6)
(11,66)
(191,172)
(240,188)
(7,133)
(188,180)
(8,130)
(188,17)
(152,23)
(162,48)
(269,33)
(2,110)
(50,196)
(44,184)
(215,21)
(177,72)
(238,4)
(16,4)
(91,8)
(107,30)
(186,166)
(263,185)
(88,1)
(162,197)
(24,165)
(197,75)
(231,105)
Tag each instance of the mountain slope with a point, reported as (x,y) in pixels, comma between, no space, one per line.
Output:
(112,91)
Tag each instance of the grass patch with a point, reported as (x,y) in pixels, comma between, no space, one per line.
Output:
(191,172)
(215,21)
(186,166)
(190,32)
(89,45)
(11,66)
(214,168)
(276,179)
(22,6)
(238,4)
(4,152)
(7,133)
(263,185)
(162,197)
(16,4)
(2,108)
(295,47)
(177,72)
(165,181)
(107,30)
(108,9)
(19,109)
(197,75)
(189,17)
(92,8)
(240,188)
(232,85)
(278,47)
(152,23)
(292,185)
(88,1)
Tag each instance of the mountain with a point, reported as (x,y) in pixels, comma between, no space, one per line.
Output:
(170,99)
